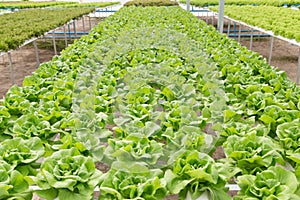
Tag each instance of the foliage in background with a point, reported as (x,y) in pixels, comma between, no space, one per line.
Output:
(277,3)
(86,5)
(281,21)
(18,27)
(30,4)
(151,3)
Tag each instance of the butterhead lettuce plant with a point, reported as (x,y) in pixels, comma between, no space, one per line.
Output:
(273,183)
(67,175)
(195,173)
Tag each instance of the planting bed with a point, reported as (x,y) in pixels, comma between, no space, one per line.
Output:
(24,58)
(138,109)
(284,55)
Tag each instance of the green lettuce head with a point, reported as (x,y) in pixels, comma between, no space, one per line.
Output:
(13,185)
(273,183)
(68,175)
(252,153)
(194,173)
(132,180)
(21,154)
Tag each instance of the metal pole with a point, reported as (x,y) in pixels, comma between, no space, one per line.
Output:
(271,49)
(234,29)
(251,39)
(221,16)
(298,70)
(188,5)
(66,41)
(74,27)
(212,21)
(228,28)
(69,30)
(90,22)
(240,30)
(54,42)
(83,24)
(207,17)
(12,72)
(36,54)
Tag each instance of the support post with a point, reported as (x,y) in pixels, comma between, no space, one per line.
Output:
(36,54)
(251,39)
(66,41)
(298,70)
(228,28)
(271,49)
(90,22)
(212,18)
(207,17)
(234,29)
(188,5)
(221,16)
(83,23)
(69,31)
(74,27)
(54,43)
(240,30)
(12,72)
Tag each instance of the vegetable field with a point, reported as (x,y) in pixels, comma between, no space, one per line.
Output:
(277,3)
(138,108)
(84,5)
(18,27)
(280,21)
(30,4)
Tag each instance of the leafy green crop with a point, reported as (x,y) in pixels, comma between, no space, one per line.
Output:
(20,154)
(277,3)
(288,134)
(151,3)
(132,180)
(134,148)
(159,88)
(253,153)
(273,183)
(67,175)
(196,173)
(280,21)
(15,28)
(27,4)
(13,185)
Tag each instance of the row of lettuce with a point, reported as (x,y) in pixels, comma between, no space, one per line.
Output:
(281,21)
(30,4)
(42,4)
(16,28)
(138,108)
(145,3)
(277,3)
